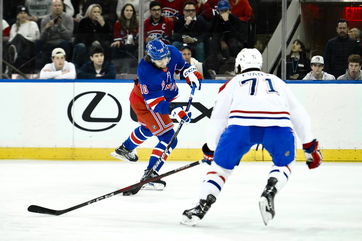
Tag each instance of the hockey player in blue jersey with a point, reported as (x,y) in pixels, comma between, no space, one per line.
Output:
(253,108)
(150,100)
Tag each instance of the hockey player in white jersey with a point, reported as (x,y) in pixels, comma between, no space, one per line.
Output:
(253,108)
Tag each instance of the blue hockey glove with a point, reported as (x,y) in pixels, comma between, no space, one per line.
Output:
(208,154)
(181,115)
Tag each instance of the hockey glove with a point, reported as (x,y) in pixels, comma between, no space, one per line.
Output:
(181,115)
(312,154)
(208,154)
(193,77)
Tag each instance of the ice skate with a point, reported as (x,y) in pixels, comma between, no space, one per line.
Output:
(157,185)
(122,153)
(194,215)
(266,202)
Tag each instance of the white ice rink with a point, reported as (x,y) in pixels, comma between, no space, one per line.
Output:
(322,204)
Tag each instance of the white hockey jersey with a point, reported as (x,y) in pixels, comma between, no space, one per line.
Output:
(257,99)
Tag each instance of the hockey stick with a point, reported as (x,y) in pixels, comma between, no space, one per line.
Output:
(43,210)
(173,138)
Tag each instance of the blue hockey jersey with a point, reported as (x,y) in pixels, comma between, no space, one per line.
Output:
(157,84)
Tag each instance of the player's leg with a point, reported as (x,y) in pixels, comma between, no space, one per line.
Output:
(126,151)
(280,143)
(157,152)
(233,144)
(162,127)
(138,135)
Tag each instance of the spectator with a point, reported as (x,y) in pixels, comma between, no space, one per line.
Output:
(125,33)
(317,73)
(97,68)
(191,30)
(135,3)
(108,9)
(92,30)
(157,26)
(338,49)
(59,68)
(23,35)
(297,61)
(354,71)
(41,8)
(56,31)
(187,56)
(229,36)
(172,8)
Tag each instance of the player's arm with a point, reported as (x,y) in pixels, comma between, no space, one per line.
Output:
(154,98)
(302,124)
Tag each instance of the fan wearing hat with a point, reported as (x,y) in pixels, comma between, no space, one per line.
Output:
(28,29)
(23,35)
(317,73)
(229,36)
(59,68)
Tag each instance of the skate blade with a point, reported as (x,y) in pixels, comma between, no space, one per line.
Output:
(189,221)
(153,186)
(266,216)
(122,158)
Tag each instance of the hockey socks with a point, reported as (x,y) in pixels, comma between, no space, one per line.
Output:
(214,181)
(137,137)
(126,152)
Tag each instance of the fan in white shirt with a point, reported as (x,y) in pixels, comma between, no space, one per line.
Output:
(59,68)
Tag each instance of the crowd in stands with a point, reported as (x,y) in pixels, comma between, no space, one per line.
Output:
(208,33)
(341,61)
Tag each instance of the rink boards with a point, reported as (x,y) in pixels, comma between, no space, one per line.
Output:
(86,120)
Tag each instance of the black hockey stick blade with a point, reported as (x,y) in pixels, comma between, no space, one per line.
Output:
(43,210)
(39,209)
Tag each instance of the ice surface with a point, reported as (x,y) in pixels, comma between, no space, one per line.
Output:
(320,204)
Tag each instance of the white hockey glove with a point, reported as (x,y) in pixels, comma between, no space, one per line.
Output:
(193,77)
(312,154)
(181,115)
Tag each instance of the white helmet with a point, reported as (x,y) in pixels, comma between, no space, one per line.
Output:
(248,59)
